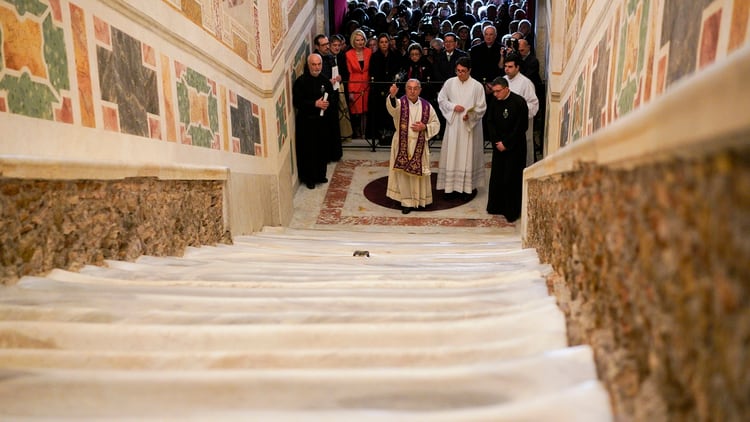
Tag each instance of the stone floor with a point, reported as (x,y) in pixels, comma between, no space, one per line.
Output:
(444,318)
(341,204)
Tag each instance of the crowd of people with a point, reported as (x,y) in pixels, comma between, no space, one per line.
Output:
(452,60)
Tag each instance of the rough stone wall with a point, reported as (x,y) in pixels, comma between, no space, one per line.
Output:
(652,268)
(50,224)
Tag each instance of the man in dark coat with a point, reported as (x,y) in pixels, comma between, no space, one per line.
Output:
(506,123)
(486,57)
(444,68)
(314,121)
(322,47)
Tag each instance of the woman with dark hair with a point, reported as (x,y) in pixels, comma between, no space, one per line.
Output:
(385,64)
(464,38)
(418,67)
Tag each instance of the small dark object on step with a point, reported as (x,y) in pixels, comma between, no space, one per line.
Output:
(362,253)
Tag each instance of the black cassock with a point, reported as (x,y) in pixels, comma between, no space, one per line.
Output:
(313,131)
(507,121)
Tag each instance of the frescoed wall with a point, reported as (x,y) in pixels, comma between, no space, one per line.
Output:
(638,50)
(233,22)
(124,84)
(34,67)
(180,84)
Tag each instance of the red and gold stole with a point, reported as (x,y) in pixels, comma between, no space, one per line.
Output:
(413,164)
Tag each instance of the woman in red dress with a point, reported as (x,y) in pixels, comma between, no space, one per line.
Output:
(358,64)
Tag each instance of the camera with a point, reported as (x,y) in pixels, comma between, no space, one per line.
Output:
(512,44)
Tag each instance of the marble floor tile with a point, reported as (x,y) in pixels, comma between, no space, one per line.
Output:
(341,203)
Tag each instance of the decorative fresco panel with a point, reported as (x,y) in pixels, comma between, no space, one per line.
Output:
(122,83)
(245,120)
(83,69)
(281,120)
(599,79)
(197,105)
(129,82)
(681,29)
(34,75)
(630,55)
(278,27)
(643,53)
(565,123)
(232,22)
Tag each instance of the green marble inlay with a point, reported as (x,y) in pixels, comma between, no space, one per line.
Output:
(35,7)
(2,59)
(54,55)
(213,113)
(201,136)
(27,97)
(197,81)
(183,103)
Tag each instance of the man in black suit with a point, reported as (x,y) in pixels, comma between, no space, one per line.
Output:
(444,68)
(485,58)
(530,69)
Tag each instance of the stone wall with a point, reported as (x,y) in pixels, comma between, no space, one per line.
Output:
(652,267)
(66,224)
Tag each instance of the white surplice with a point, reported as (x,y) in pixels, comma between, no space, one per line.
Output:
(461,167)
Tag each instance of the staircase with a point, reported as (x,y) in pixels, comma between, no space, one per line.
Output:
(287,324)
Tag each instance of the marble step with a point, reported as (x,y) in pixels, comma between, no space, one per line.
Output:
(102,336)
(131,393)
(377,298)
(255,277)
(287,325)
(43,306)
(443,355)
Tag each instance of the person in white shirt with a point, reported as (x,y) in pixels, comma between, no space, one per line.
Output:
(462,101)
(523,86)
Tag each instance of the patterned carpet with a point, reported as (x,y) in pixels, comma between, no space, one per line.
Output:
(375,192)
(343,203)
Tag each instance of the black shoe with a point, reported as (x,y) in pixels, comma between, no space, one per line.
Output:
(310,185)
(325,180)
(405,210)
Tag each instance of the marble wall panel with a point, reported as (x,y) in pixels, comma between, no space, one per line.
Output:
(128,82)
(34,72)
(198,108)
(282,111)
(245,119)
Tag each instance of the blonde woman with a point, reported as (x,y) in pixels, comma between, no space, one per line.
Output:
(358,65)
